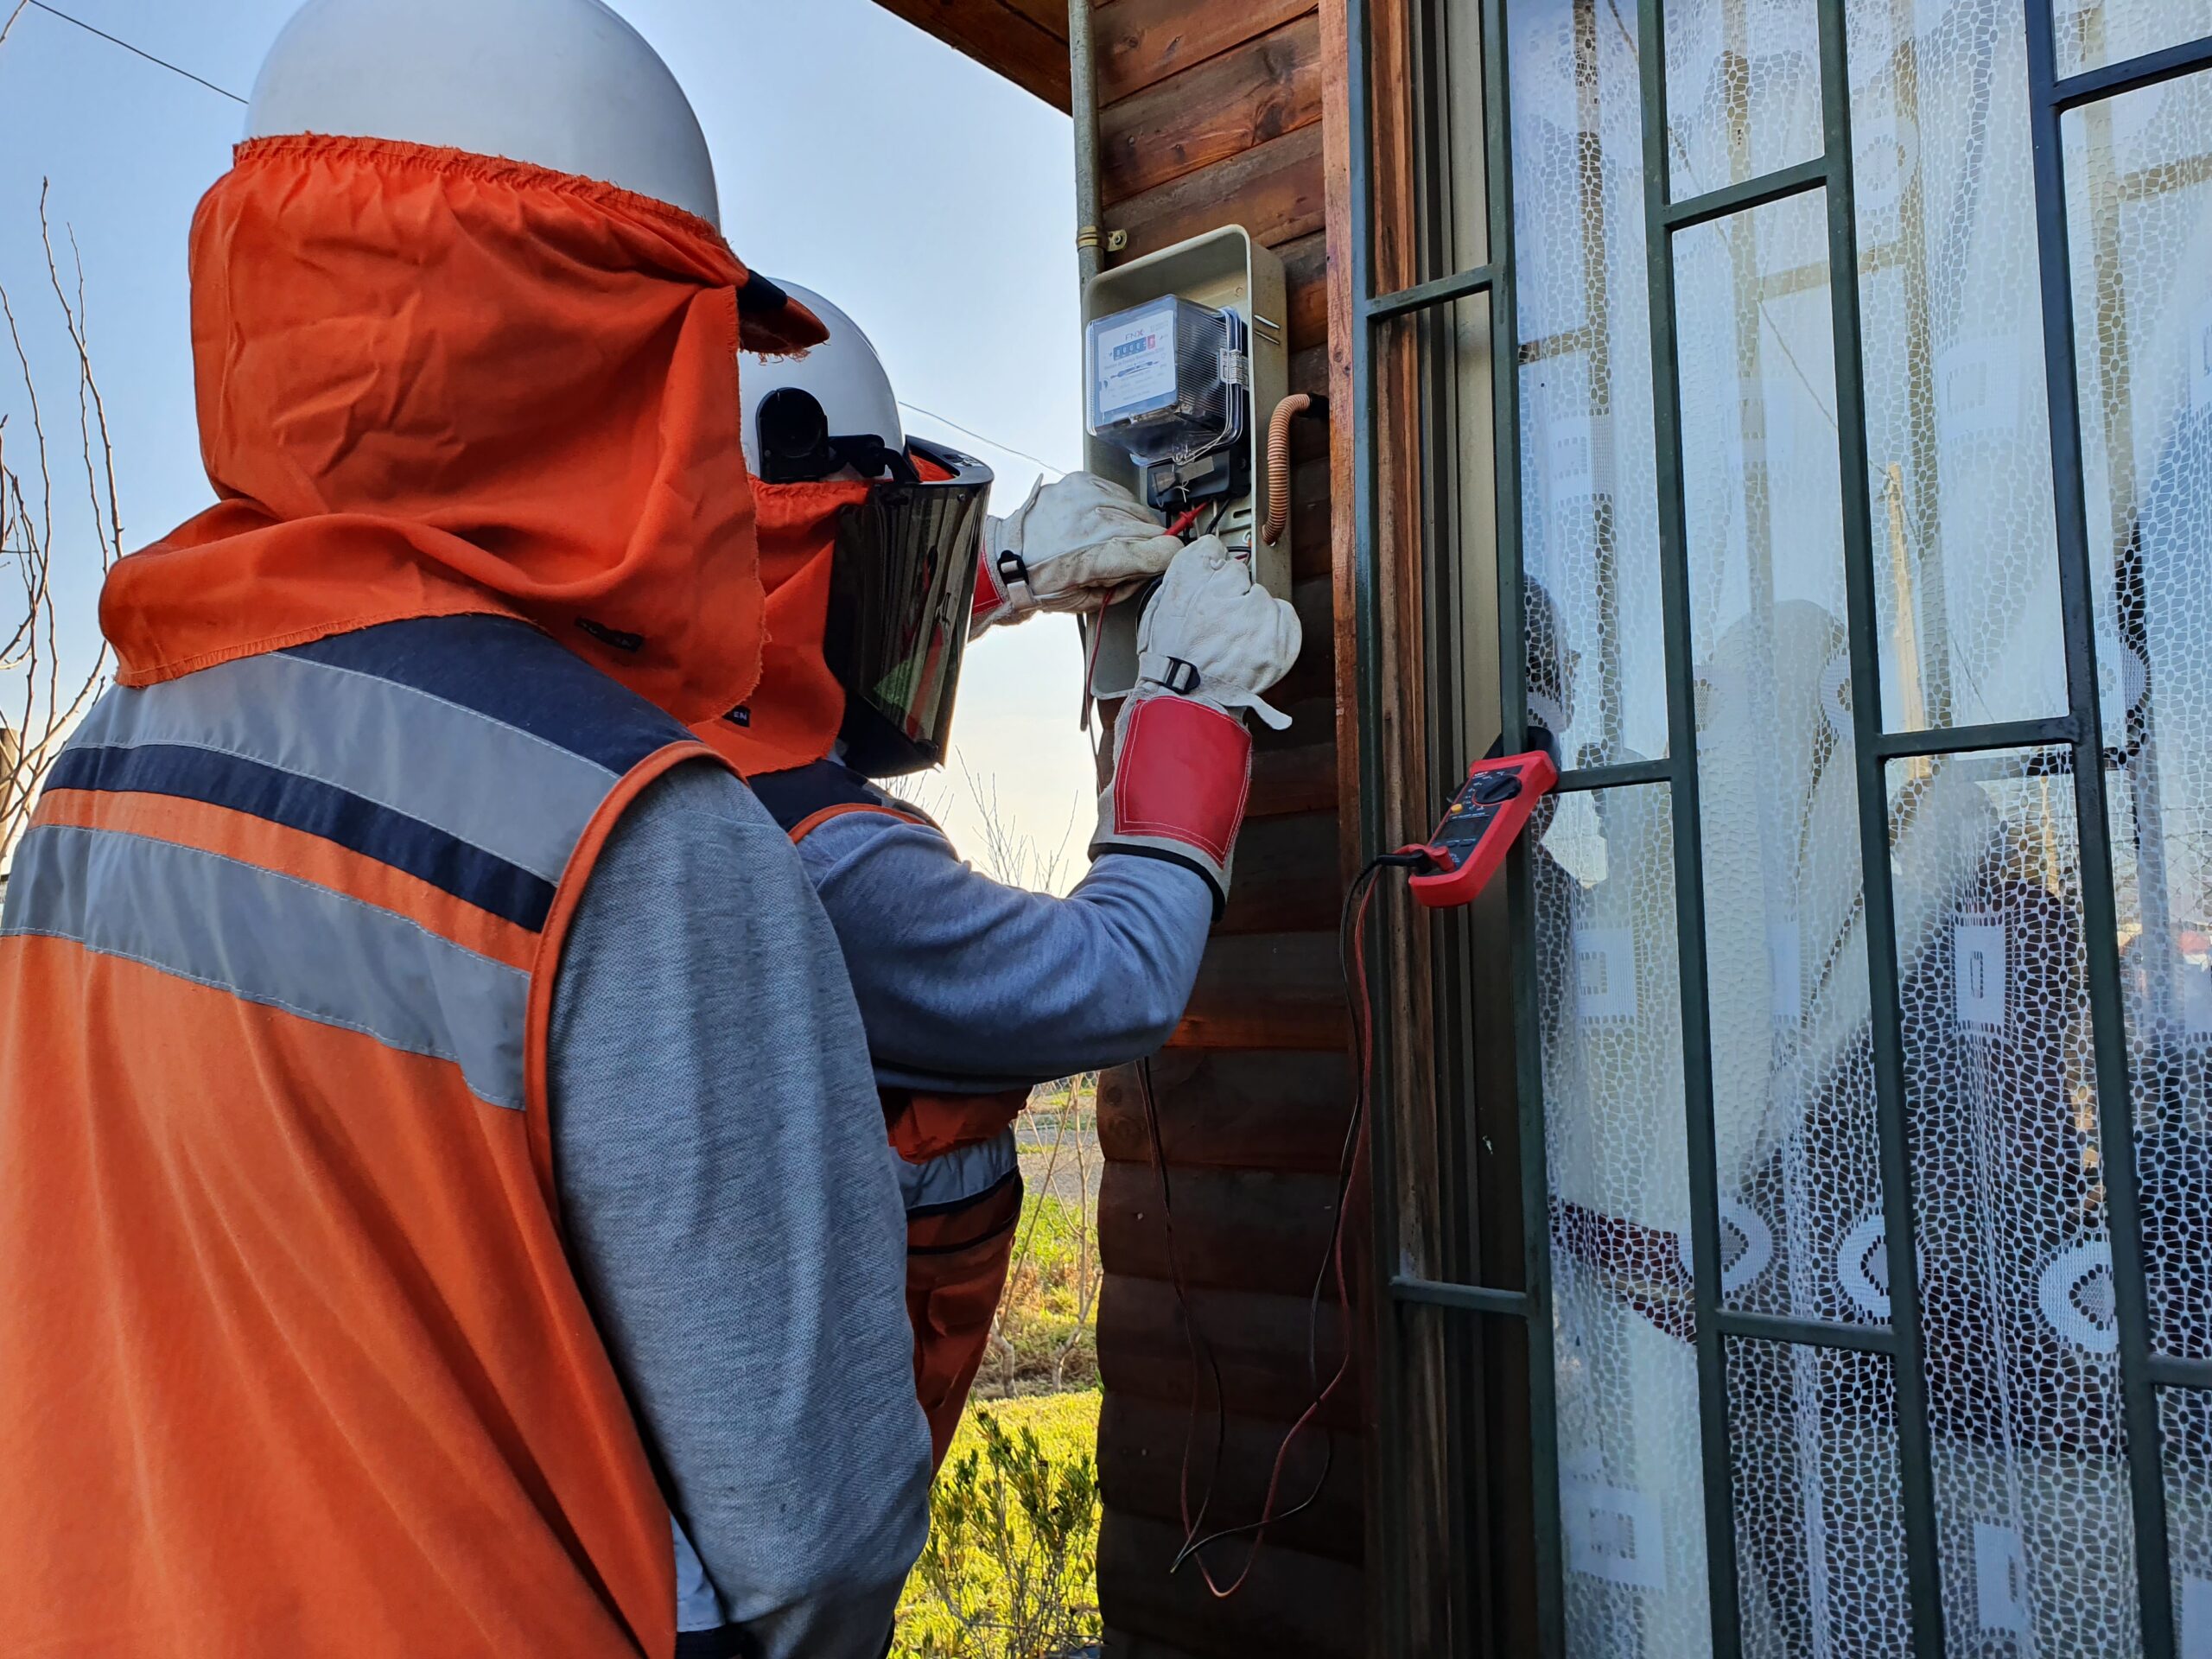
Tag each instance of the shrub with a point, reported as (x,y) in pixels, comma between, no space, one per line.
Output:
(1010,1570)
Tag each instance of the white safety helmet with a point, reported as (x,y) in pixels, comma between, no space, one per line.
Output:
(828,412)
(902,574)
(560,84)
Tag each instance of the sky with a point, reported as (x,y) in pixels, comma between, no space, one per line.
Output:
(931,199)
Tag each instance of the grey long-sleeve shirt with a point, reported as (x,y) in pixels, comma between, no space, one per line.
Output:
(732,1210)
(968,984)
(971,986)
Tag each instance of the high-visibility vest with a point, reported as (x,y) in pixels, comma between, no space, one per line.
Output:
(292,1358)
(963,1204)
(959,1170)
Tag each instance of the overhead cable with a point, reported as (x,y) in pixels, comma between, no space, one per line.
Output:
(930,414)
(135,51)
(224,92)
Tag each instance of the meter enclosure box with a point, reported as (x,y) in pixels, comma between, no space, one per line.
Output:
(1184,362)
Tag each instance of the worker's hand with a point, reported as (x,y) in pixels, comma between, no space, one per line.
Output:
(1214,634)
(1211,641)
(1077,544)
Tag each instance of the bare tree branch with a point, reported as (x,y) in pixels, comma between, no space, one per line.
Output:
(49,693)
(34,540)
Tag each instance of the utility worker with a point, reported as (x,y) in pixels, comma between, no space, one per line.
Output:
(401,1245)
(973,991)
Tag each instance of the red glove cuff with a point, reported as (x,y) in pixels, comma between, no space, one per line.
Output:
(990,596)
(1182,774)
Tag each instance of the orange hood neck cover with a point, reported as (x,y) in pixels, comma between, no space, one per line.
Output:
(792,716)
(432,383)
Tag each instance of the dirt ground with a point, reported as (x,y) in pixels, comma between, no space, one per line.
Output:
(1059,1147)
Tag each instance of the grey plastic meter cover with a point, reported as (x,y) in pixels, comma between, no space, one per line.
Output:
(1156,384)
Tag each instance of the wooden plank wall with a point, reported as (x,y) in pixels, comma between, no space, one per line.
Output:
(1212,114)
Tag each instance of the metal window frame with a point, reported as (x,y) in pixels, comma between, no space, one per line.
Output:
(2143,1372)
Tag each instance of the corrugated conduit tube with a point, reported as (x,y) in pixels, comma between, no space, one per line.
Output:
(1279,464)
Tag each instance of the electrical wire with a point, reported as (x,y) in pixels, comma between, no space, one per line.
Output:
(1090,663)
(1353,959)
(969,431)
(1179,526)
(1201,1350)
(135,51)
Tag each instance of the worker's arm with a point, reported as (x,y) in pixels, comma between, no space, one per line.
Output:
(720,1159)
(963,981)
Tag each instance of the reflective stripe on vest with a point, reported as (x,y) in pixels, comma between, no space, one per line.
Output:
(955,1179)
(282,1281)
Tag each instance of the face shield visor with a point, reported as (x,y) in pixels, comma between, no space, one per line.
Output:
(902,581)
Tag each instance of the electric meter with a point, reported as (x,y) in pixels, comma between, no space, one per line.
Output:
(1169,386)
(1184,360)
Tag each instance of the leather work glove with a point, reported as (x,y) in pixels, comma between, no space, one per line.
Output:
(1211,641)
(1077,544)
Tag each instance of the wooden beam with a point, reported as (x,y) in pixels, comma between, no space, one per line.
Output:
(1428,1462)
(999,36)
(1140,1472)
(1268,991)
(1232,1110)
(1305,275)
(1051,15)
(1286,878)
(1262,90)
(1238,1228)
(1309,525)
(1343,320)
(1274,191)
(1294,1606)
(1257,1343)
(1313,676)
(1143,43)
(1299,776)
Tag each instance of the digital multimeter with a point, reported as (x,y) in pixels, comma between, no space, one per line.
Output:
(1480,826)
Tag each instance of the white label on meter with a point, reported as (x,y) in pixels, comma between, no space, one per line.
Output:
(1136,363)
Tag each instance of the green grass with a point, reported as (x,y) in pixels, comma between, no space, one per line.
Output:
(1046,1338)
